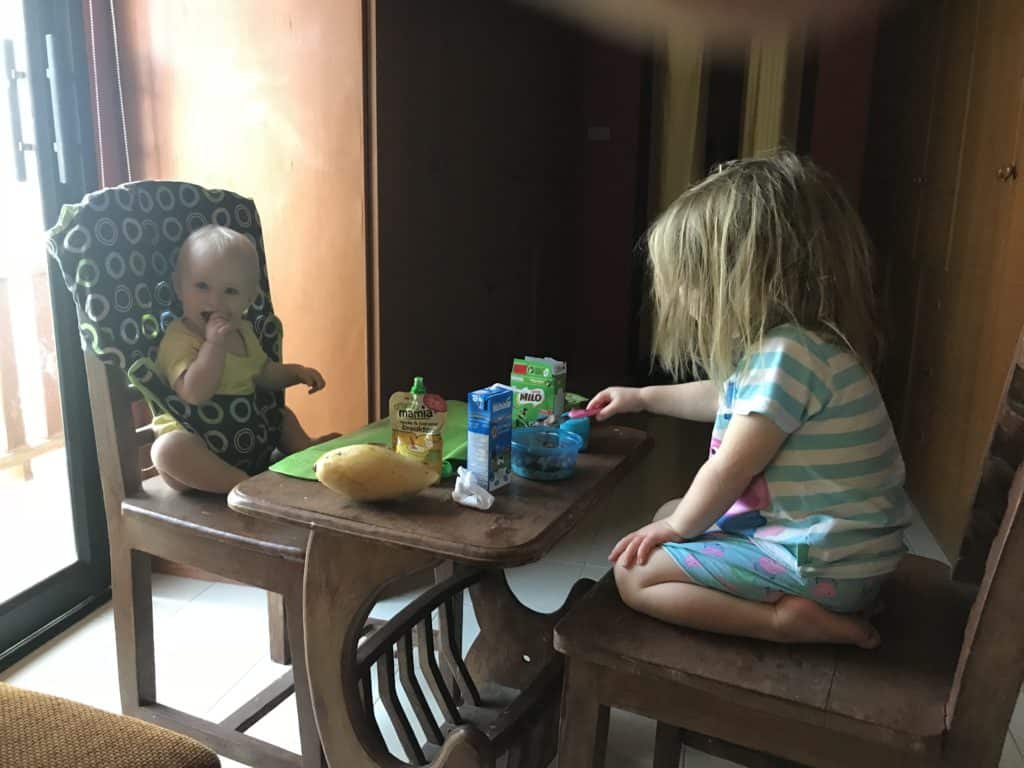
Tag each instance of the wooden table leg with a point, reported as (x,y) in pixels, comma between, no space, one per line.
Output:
(343,577)
(514,641)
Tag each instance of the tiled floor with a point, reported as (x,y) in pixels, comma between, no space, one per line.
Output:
(35,523)
(211,644)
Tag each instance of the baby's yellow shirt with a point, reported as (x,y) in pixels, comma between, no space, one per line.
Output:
(179,349)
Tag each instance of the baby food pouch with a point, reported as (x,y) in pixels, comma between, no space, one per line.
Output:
(417,420)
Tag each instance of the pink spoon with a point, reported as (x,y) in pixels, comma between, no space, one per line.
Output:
(579,413)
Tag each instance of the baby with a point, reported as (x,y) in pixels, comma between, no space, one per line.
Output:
(213,350)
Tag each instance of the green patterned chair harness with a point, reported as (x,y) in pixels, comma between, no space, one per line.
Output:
(116,251)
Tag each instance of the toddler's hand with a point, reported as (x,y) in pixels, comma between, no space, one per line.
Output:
(637,546)
(312,378)
(217,329)
(615,400)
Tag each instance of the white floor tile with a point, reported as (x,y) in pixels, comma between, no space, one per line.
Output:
(920,541)
(576,545)
(697,759)
(80,664)
(1017,722)
(630,740)
(1011,757)
(280,726)
(172,593)
(390,737)
(595,571)
(206,648)
(263,673)
(543,586)
(470,627)
(389,606)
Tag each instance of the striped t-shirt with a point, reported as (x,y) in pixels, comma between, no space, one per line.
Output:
(831,502)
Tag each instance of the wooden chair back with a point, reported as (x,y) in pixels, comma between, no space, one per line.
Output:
(121,445)
(991,665)
(995,474)
(117,251)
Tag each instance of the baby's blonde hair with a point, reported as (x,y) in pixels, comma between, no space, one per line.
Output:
(221,239)
(756,244)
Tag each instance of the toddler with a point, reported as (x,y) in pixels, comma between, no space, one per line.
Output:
(213,350)
(762,280)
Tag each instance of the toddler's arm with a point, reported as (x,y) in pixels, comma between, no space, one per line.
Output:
(749,444)
(278,376)
(694,400)
(198,382)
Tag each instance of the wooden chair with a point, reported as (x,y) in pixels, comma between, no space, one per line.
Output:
(494,704)
(939,692)
(147,520)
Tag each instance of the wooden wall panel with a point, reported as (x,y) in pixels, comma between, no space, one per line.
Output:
(266,99)
(508,166)
(841,99)
(926,424)
(948,117)
(479,163)
(984,263)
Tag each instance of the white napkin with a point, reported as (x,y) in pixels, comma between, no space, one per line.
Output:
(469,492)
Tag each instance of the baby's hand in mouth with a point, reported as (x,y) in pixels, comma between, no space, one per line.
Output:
(206,316)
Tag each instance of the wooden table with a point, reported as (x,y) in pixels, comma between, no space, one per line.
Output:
(490,695)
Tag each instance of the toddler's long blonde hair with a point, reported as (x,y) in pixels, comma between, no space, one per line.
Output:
(756,244)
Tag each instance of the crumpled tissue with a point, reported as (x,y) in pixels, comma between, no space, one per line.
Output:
(469,492)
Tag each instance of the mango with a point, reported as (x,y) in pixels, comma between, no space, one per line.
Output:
(372,473)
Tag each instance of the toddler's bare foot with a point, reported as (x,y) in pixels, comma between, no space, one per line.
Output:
(799,620)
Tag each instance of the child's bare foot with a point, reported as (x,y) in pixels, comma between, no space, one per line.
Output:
(799,620)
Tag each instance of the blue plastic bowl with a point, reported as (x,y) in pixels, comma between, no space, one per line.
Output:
(580,426)
(544,453)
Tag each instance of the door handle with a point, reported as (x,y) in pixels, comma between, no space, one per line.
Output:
(53,74)
(1007,173)
(12,74)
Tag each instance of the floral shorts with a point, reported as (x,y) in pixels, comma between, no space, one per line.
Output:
(735,564)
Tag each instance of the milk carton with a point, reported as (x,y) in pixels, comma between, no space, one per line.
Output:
(489,443)
(539,384)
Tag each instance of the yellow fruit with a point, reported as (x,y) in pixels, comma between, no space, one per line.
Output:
(372,473)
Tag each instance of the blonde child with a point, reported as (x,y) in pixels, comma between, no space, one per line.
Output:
(212,350)
(762,277)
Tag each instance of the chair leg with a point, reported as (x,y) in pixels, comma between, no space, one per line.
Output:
(583,730)
(132,588)
(280,649)
(668,746)
(309,736)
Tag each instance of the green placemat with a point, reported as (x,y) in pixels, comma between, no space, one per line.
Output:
(301,464)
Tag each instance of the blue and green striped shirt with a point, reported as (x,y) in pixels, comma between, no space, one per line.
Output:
(831,502)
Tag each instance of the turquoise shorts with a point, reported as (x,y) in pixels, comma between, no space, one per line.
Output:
(735,564)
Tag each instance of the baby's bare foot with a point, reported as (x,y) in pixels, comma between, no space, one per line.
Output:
(799,620)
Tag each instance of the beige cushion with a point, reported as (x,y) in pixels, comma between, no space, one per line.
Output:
(41,731)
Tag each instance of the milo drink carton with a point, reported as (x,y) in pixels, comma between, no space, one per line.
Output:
(489,442)
(539,384)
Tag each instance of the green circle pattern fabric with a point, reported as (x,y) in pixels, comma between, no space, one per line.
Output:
(117,250)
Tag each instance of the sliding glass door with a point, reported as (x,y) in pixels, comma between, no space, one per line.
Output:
(54,565)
